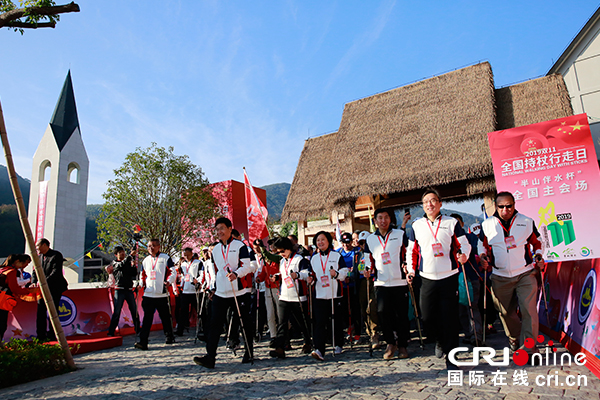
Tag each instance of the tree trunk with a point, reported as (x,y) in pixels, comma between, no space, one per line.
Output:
(60,334)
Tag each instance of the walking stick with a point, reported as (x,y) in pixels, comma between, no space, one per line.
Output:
(414,303)
(246,343)
(332,318)
(349,318)
(484,303)
(470,304)
(229,333)
(199,309)
(302,310)
(257,310)
(369,315)
(539,258)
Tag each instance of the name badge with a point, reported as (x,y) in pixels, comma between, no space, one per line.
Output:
(510,242)
(385,257)
(289,282)
(187,277)
(437,250)
(152,275)
(325,281)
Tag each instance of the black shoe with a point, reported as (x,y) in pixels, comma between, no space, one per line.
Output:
(178,333)
(439,353)
(201,338)
(205,361)
(141,346)
(277,353)
(170,340)
(273,344)
(247,359)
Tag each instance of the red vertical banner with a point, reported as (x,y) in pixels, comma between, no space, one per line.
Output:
(256,213)
(41,211)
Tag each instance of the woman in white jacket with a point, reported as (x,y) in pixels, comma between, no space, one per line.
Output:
(327,270)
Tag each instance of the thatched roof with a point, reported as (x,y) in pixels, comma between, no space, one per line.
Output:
(533,101)
(430,133)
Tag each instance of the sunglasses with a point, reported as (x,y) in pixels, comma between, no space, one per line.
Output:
(503,206)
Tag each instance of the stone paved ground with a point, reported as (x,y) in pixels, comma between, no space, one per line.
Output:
(167,372)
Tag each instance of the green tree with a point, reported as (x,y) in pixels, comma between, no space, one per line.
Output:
(32,14)
(165,194)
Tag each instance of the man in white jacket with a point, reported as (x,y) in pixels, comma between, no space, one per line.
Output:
(156,276)
(233,281)
(512,250)
(436,246)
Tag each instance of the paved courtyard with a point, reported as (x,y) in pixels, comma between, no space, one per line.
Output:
(167,372)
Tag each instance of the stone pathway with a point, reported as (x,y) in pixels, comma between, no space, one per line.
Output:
(167,372)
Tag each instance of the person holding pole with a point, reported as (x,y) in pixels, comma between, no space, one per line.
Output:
(123,273)
(233,281)
(385,247)
(156,276)
(292,296)
(327,271)
(52,264)
(189,269)
(268,269)
(436,240)
(512,250)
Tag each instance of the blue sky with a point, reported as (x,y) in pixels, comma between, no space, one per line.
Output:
(241,83)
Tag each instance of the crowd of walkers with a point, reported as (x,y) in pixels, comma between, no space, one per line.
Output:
(369,288)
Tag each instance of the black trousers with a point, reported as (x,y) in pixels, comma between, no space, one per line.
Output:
(392,314)
(42,316)
(439,303)
(186,301)
(218,317)
(288,310)
(322,321)
(121,296)
(150,305)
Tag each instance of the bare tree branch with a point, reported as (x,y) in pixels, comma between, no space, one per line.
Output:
(18,24)
(9,18)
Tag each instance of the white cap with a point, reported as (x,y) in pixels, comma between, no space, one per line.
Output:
(475,228)
(363,235)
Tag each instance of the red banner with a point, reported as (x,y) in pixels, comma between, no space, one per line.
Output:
(41,211)
(256,213)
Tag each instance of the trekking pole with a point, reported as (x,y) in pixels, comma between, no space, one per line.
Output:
(246,343)
(332,317)
(539,258)
(229,333)
(414,302)
(301,309)
(369,315)
(257,311)
(137,315)
(484,304)
(349,317)
(199,307)
(464,272)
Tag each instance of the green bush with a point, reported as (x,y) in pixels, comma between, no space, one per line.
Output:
(23,361)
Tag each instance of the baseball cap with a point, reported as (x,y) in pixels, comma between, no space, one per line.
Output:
(346,237)
(363,235)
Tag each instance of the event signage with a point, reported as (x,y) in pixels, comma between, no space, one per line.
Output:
(552,170)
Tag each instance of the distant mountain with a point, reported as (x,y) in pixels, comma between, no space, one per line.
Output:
(276,197)
(6,194)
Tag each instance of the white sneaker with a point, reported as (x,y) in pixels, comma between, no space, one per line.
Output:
(337,350)
(317,355)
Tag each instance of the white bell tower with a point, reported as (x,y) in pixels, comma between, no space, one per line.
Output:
(59,182)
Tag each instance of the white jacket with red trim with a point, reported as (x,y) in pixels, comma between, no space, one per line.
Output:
(420,251)
(154,283)
(512,262)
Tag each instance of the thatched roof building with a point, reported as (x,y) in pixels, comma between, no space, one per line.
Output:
(431,133)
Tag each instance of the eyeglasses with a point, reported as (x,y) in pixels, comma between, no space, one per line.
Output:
(431,201)
(503,206)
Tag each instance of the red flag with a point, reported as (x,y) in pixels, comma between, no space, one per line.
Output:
(256,213)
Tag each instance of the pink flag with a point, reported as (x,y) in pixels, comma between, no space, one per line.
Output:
(256,213)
